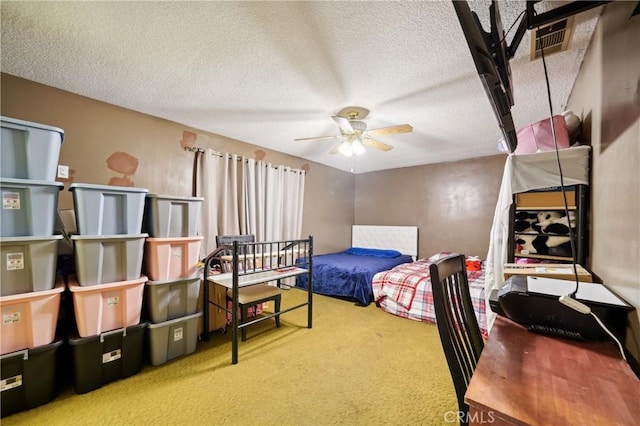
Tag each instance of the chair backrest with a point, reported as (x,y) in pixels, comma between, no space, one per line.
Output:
(457,324)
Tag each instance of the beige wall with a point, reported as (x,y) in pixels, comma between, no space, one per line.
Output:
(95,131)
(451,203)
(607,97)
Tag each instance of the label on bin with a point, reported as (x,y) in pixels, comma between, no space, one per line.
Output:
(11,201)
(11,318)
(176,252)
(177,334)
(10,383)
(111,356)
(15,261)
(113,300)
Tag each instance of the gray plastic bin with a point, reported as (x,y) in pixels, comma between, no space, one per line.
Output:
(168,216)
(166,300)
(28,207)
(28,264)
(102,259)
(172,339)
(108,210)
(29,150)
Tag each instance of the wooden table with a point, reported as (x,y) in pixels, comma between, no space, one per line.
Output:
(527,378)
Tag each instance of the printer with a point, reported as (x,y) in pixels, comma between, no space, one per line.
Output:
(534,301)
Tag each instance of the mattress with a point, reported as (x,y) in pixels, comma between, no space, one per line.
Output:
(405,291)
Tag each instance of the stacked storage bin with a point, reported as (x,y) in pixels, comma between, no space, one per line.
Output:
(108,287)
(171,262)
(30,294)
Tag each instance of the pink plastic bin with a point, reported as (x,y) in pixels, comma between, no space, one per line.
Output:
(106,307)
(538,136)
(171,258)
(29,319)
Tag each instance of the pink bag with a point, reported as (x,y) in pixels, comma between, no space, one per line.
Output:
(538,136)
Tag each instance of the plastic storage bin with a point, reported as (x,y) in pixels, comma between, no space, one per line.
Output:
(166,300)
(29,378)
(29,319)
(102,259)
(29,150)
(107,307)
(28,264)
(169,217)
(171,258)
(172,339)
(28,207)
(538,136)
(108,210)
(111,356)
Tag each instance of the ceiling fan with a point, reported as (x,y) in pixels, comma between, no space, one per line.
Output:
(354,133)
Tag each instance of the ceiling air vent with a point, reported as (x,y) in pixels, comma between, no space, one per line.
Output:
(553,38)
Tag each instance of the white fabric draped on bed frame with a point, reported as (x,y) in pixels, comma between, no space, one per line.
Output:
(524,173)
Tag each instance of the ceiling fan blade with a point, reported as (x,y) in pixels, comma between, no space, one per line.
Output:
(343,123)
(317,137)
(400,128)
(376,144)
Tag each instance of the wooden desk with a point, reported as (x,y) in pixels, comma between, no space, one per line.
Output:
(527,378)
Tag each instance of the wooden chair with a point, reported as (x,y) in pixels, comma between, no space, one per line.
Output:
(457,324)
(254,295)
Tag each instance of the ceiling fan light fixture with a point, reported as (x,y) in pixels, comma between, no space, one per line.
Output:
(357,147)
(346,149)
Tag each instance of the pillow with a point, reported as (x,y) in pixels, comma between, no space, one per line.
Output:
(441,255)
(360,251)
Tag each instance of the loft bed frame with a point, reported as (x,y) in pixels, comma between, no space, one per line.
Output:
(257,263)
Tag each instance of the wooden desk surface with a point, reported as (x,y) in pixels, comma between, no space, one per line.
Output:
(527,378)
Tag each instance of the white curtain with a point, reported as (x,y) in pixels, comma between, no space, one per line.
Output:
(251,198)
(292,200)
(217,182)
(272,201)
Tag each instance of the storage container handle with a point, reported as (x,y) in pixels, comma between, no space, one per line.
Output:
(24,353)
(113,193)
(14,126)
(109,333)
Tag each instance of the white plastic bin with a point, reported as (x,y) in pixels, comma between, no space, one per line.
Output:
(172,339)
(104,259)
(28,264)
(169,216)
(29,319)
(28,207)
(29,150)
(108,210)
(107,307)
(166,300)
(172,258)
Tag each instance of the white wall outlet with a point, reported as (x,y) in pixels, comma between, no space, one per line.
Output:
(63,172)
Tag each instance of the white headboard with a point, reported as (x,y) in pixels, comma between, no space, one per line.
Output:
(401,238)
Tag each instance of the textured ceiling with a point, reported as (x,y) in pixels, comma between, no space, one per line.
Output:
(269,72)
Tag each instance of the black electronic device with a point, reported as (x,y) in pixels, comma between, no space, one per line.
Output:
(533,301)
(490,55)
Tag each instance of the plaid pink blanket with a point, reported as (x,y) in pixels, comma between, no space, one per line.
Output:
(406,291)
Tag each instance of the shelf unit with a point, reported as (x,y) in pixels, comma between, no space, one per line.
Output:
(551,200)
(294,257)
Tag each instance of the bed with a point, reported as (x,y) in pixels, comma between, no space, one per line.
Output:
(348,274)
(405,291)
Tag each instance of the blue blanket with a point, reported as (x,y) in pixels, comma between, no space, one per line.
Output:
(348,275)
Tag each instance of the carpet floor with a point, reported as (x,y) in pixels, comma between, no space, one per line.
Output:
(356,366)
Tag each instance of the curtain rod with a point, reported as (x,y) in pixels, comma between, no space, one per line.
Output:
(197,150)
